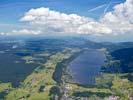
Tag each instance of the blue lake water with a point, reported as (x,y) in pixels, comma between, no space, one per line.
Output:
(87,66)
(13,69)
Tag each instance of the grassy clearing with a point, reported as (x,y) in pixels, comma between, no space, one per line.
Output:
(5,86)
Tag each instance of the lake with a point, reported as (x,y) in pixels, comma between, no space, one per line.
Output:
(87,66)
(13,69)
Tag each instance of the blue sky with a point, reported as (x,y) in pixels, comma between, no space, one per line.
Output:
(105,17)
(12,10)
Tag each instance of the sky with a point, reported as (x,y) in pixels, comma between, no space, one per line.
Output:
(101,19)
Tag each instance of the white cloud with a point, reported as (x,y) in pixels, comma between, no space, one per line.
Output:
(2,33)
(49,20)
(43,20)
(26,32)
(120,20)
(21,32)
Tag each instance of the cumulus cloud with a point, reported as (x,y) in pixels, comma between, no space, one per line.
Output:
(2,33)
(120,20)
(26,32)
(21,32)
(43,20)
(50,20)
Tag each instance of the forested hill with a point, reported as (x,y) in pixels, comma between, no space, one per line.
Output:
(126,58)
